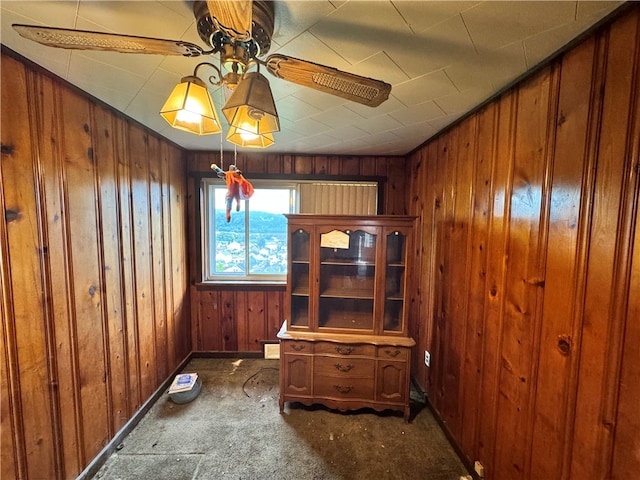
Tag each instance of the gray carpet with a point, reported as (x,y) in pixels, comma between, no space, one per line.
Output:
(234,430)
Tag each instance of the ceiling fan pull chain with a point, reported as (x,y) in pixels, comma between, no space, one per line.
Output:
(221,90)
(221,153)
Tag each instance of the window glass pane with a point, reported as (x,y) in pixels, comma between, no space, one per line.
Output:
(252,245)
(268,231)
(228,240)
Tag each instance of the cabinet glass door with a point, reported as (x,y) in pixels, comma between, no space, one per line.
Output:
(394,282)
(347,280)
(299,278)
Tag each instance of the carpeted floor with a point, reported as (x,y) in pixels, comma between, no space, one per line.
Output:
(233,429)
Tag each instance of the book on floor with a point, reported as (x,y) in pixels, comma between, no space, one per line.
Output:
(183,382)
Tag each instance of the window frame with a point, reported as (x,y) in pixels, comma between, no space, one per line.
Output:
(198,178)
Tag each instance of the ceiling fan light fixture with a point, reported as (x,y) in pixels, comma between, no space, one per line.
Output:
(251,107)
(190,108)
(243,138)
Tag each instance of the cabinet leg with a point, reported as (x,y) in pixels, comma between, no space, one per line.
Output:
(281,405)
(407,413)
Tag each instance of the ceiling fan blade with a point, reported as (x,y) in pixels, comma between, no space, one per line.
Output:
(366,91)
(86,40)
(233,16)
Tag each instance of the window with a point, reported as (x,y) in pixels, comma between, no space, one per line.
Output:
(252,245)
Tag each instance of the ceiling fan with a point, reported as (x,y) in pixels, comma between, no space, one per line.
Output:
(240,32)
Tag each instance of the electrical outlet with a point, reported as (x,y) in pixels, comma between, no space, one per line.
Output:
(479,468)
(427,358)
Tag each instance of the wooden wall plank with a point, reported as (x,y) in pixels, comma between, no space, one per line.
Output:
(600,341)
(86,288)
(127,271)
(25,336)
(626,446)
(158,255)
(71,329)
(473,368)
(57,273)
(142,257)
(166,157)
(112,291)
(500,187)
(554,374)
(626,461)
(257,324)
(524,278)
(228,327)
(13,461)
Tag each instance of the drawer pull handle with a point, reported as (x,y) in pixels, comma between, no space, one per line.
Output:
(343,388)
(392,353)
(344,368)
(297,347)
(345,350)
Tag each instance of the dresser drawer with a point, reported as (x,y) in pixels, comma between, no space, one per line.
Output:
(388,352)
(292,346)
(345,349)
(343,387)
(344,367)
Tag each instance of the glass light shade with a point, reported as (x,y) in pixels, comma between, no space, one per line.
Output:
(190,108)
(242,138)
(251,107)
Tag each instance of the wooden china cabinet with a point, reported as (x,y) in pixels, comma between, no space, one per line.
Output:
(344,343)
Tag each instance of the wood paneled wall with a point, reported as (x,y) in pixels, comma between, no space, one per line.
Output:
(530,269)
(237,318)
(93,273)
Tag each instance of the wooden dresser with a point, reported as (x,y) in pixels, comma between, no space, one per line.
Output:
(344,343)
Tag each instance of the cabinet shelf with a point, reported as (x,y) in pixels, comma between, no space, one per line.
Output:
(355,263)
(341,293)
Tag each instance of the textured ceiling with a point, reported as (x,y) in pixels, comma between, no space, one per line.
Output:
(442,59)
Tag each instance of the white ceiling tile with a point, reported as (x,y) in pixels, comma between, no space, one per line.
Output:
(295,109)
(293,18)
(380,62)
(318,99)
(145,19)
(427,87)
(421,15)
(348,132)
(306,126)
(338,117)
(358,30)
(418,113)
(60,14)
(319,140)
(308,47)
(91,78)
(494,24)
(417,130)
(443,122)
(590,10)
(433,49)
(183,9)
(463,101)
(379,124)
